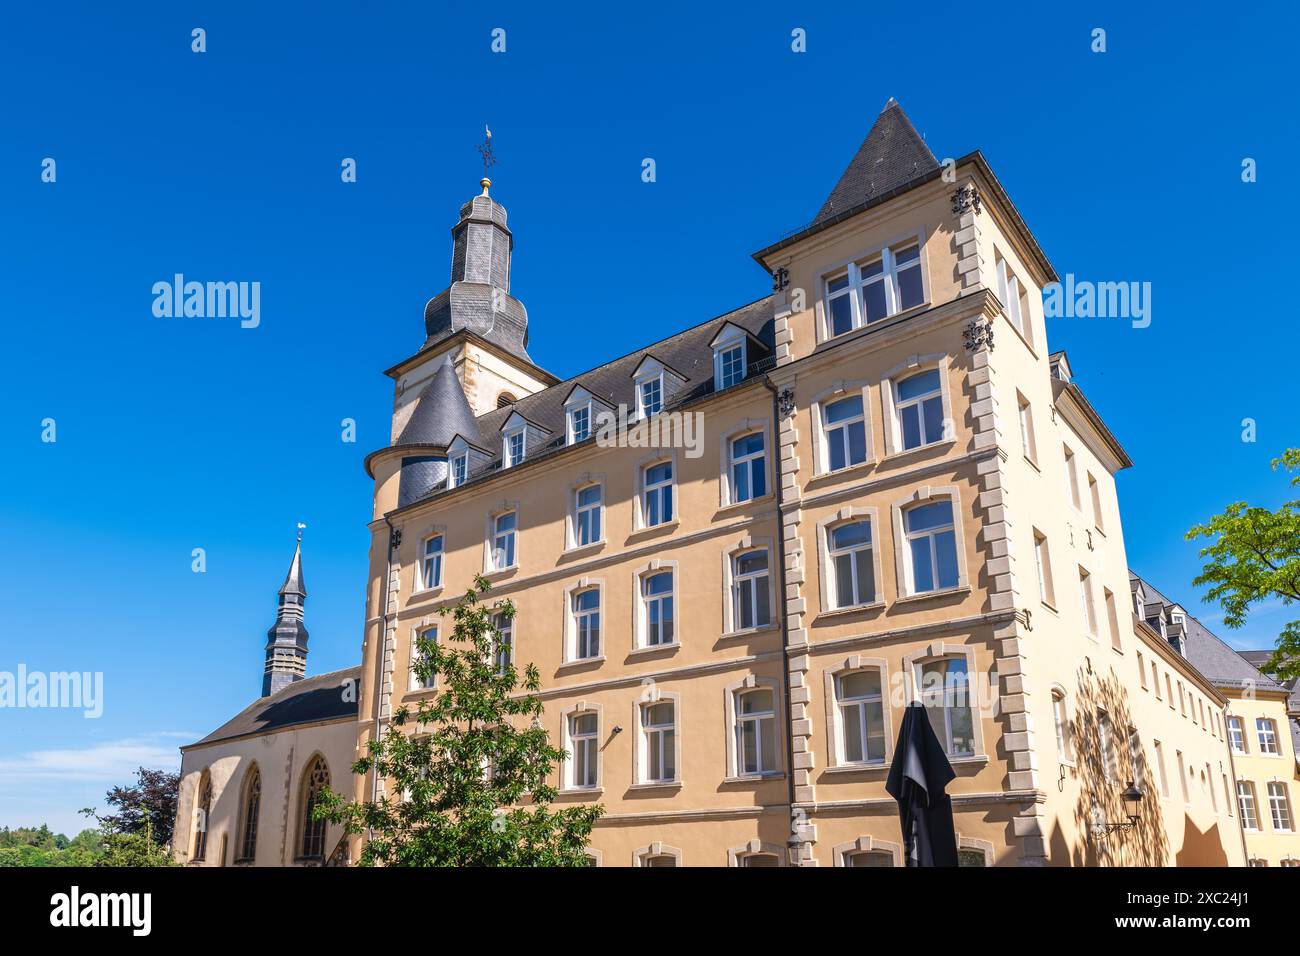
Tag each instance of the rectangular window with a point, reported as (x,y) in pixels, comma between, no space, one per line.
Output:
(1182,777)
(431,563)
(658,725)
(1043,561)
(657,602)
(945,692)
(1094,492)
(1160,766)
(853,575)
(748,468)
(1027,443)
(1137,759)
(1061,720)
(1112,618)
(658,494)
(875,288)
(459,473)
(1236,735)
(586,518)
(918,405)
(1246,804)
(1209,785)
(1085,599)
(1266,731)
(514,448)
(931,546)
(417,682)
(1014,302)
(1142,670)
(1072,477)
(845,428)
(586,624)
(503,541)
(731,364)
(579,423)
(1279,806)
(1155,680)
(503,646)
(755,732)
(750,593)
(862,716)
(1106,741)
(584,738)
(651,393)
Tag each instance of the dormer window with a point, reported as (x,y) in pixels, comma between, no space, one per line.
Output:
(514,440)
(874,288)
(650,396)
(579,423)
(655,384)
(514,448)
(457,463)
(731,365)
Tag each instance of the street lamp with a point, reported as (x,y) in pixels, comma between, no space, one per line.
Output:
(1132,797)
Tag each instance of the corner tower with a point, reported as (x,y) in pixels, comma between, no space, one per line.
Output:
(286,641)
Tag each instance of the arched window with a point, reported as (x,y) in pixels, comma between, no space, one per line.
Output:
(315,782)
(505,399)
(250,808)
(203,810)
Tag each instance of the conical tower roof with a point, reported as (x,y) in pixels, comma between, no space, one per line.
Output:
(441,413)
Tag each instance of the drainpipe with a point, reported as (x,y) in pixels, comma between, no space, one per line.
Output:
(383,644)
(785,627)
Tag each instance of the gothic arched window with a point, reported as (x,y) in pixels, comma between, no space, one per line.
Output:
(315,782)
(203,810)
(250,808)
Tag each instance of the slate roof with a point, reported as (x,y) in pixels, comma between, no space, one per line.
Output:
(293,581)
(305,701)
(892,155)
(441,413)
(1210,655)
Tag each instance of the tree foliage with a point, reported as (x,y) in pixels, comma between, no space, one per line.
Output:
(1255,557)
(468,769)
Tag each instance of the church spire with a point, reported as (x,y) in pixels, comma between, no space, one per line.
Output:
(286,641)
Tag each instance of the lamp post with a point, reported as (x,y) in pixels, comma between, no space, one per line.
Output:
(1132,797)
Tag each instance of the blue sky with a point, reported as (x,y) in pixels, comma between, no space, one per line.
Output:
(182,433)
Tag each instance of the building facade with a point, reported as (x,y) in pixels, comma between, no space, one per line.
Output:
(880,486)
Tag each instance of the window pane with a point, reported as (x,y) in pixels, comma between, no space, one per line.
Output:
(853,751)
(907,254)
(857,438)
(936,514)
(841,315)
(843,580)
(756,702)
(909,287)
(945,546)
(844,409)
(933,419)
(873,302)
(751,561)
(851,535)
(922,573)
(919,384)
(769,743)
(658,473)
(910,418)
(866,577)
(860,684)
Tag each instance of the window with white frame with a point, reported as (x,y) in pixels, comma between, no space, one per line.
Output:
(579,423)
(750,591)
(503,643)
(862,716)
(1027,443)
(1094,492)
(1043,562)
(946,695)
(584,742)
(657,608)
(588,506)
(1014,301)
(748,468)
(658,742)
(755,731)
(1236,735)
(918,406)
(1072,476)
(657,493)
(1279,806)
(874,288)
(1266,731)
(428,682)
(650,396)
(431,563)
(1061,719)
(931,542)
(458,472)
(1246,805)
(731,364)
(586,623)
(853,572)
(1085,600)
(868,858)
(844,428)
(503,540)
(513,446)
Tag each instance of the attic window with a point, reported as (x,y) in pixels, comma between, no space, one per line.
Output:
(505,399)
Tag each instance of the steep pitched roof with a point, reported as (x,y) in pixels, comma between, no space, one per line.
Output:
(441,413)
(306,701)
(293,581)
(892,155)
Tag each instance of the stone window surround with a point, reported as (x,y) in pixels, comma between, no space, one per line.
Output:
(888,383)
(656,848)
(834,729)
(569,651)
(839,390)
(638,607)
(425,624)
(824,528)
(417,575)
(923,495)
(489,528)
(730,692)
(586,480)
(935,651)
(736,854)
(740,429)
(652,694)
(729,555)
(821,324)
(577,709)
(656,457)
(866,844)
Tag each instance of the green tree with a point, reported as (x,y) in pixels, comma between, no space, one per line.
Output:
(470,786)
(1254,557)
(148,805)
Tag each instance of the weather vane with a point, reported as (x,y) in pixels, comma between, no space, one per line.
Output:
(489,159)
(300,527)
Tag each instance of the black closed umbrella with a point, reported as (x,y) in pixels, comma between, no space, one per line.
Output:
(917,778)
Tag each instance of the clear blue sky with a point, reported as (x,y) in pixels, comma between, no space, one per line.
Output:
(176,434)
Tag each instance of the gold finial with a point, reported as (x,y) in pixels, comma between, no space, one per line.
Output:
(485,183)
